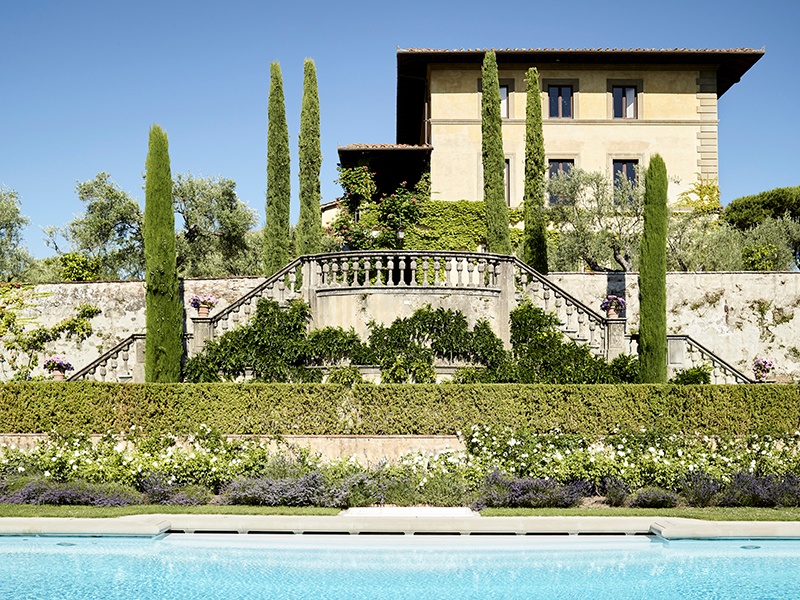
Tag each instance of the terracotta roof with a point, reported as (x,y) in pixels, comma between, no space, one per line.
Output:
(595,50)
(385,147)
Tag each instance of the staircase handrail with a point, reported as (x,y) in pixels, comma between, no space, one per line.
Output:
(256,291)
(106,356)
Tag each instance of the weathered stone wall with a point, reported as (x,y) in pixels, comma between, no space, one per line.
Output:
(738,316)
(122,304)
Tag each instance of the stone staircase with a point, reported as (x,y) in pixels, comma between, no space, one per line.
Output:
(504,280)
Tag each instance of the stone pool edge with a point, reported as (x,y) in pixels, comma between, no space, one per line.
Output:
(153,525)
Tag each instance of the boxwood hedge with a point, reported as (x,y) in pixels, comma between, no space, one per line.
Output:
(326,409)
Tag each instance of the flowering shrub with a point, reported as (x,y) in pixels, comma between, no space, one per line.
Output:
(612,302)
(499,468)
(57,363)
(197,301)
(762,367)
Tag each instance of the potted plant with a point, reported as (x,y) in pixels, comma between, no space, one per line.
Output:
(762,367)
(612,305)
(58,366)
(202,304)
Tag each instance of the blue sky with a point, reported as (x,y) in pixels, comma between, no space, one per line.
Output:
(82,81)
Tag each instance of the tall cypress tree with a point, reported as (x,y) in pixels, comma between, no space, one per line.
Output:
(534,251)
(164,310)
(653,276)
(494,164)
(276,230)
(309,227)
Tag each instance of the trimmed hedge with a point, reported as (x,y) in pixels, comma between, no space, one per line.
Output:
(326,409)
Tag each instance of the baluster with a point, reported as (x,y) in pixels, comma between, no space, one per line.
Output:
(292,281)
(568,326)
(581,333)
(345,273)
(471,274)
(367,272)
(459,271)
(425,271)
(546,299)
(436,265)
(390,272)
(413,271)
(379,273)
(402,270)
(483,276)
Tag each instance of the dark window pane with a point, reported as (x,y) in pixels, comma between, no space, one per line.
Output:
(617,93)
(553,93)
(566,102)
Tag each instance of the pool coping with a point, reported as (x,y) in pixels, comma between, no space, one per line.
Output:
(153,525)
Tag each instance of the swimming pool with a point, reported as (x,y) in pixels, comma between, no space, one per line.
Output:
(324,566)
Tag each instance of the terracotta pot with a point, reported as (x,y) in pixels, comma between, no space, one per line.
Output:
(202,311)
(612,313)
(58,375)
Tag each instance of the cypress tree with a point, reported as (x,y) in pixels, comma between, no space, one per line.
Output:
(309,227)
(164,310)
(653,276)
(494,164)
(534,251)
(276,230)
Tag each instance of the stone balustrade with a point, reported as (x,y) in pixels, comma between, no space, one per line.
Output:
(122,364)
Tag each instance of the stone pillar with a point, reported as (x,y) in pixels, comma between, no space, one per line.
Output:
(615,338)
(309,289)
(201,331)
(505,281)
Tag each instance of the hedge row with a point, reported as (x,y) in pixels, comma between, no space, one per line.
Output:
(325,409)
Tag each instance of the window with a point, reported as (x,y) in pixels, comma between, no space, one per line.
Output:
(558,166)
(624,99)
(507,177)
(626,169)
(624,173)
(504,89)
(560,97)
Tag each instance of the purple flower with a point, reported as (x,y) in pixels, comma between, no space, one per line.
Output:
(198,301)
(612,302)
(57,363)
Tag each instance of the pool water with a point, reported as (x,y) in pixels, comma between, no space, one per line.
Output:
(353,567)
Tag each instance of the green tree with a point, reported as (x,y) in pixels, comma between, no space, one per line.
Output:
(15,260)
(748,211)
(653,276)
(494,193)
(214,238)
(309,226)
(598,222)
(534,251)
(108,233)
(164,311)
(276,231)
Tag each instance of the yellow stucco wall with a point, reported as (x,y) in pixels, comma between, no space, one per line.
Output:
(674,119)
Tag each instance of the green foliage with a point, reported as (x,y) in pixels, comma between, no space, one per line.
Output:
(164,310)
(494,193)
(445,225)
(748,211)
(379,219)
(598,222)
(214,240)
(14,258)
(309,226)
(324,409)
(80,267)
(276,230)
(272,347)
(653,276)
(108,232)
(534,250)
(699,375)
(24,340)
(544,356)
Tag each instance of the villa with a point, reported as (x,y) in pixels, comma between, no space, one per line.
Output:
(604,110)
